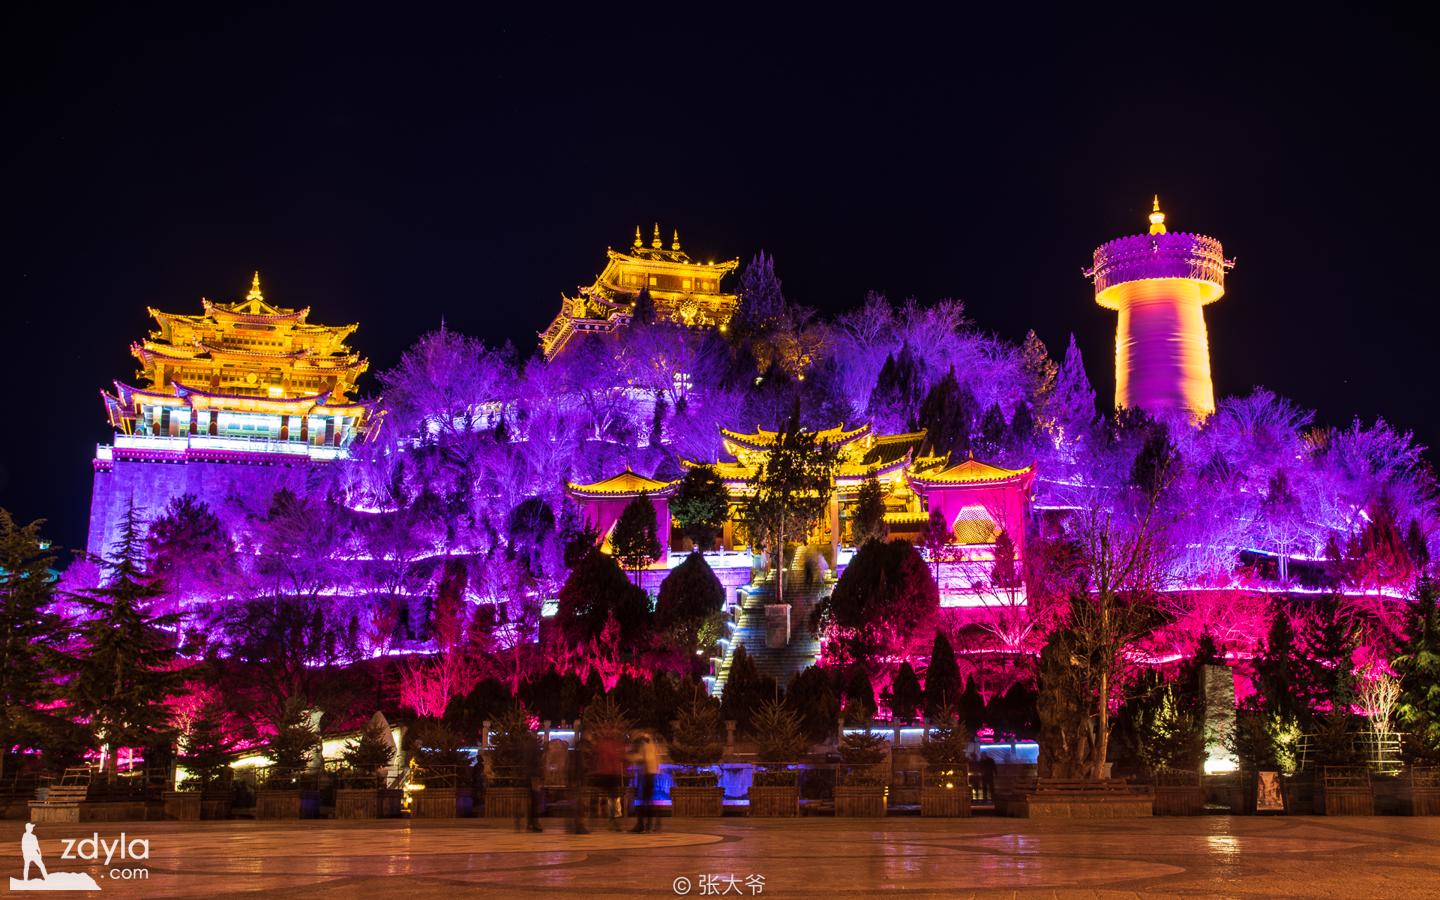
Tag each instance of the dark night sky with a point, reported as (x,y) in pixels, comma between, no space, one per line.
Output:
(393,169)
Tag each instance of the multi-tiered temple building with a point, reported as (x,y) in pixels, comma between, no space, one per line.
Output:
(683,291)
(232,405)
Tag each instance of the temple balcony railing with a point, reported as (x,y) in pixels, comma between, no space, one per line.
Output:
(230,444)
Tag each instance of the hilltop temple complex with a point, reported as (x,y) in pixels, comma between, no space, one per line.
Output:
(245,384)
(683,291)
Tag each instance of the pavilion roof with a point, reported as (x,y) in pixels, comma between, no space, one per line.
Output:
(971,471)
(626,484)
(762,439)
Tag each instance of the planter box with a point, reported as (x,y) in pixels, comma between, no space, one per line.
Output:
(507,802)
(442,803)
(951,802)
(1179,800)
(287,804)
(182,805)
(1345,802)
(1076,798)
(1419,792)
(777,625)
(367,803)
(780,800)
(860,800)
(696,802)
(1344,791)
(44,813)
(216,804)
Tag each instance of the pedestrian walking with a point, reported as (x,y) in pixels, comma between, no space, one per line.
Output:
(610,775)
(647,764)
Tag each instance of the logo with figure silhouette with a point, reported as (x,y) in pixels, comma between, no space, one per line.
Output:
(47,881)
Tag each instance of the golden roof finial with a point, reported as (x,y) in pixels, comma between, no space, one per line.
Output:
(255,288)
(675,240)
(639,242)
(655,241)
(1157,218)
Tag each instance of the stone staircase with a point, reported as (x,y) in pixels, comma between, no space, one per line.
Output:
(749,628)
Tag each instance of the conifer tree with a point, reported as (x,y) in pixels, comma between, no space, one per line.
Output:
(30,665)
(206,752)
(745,690)
(942,678)
(906,698)
(643,312)
(700,506)
(1038,365)
(635,538)
(1071,407)
(126,669)
(812,695)
(948,416)
(295,741)
(1418,666)
(859,697)
(777,733)
(371,751)
(762,303)
(993,431)
(868,513)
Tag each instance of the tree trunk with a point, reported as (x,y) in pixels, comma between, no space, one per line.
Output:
(1102,736)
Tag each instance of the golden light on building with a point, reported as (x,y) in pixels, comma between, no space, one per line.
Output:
(247,369)
(684,291)
(1159,284)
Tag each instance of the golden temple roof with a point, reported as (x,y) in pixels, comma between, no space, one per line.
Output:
(762,439)
(971,471)
(685,292)
(627,483)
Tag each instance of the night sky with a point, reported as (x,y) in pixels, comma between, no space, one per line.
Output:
(396,169)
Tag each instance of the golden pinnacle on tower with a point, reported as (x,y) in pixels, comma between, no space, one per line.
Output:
(255,288)
(639,242)
(1157,218)
(655,241)
(675,240)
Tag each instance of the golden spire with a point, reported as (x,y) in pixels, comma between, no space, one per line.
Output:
(675,240)
(638,241)
(255,288)
(655,241)
(1157,218)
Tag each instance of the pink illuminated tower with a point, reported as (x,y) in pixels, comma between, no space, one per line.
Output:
(1159,283)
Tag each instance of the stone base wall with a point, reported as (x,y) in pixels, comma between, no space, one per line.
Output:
(231,489)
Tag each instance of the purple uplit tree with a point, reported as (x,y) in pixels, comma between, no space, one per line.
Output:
(125,664)
(31,666)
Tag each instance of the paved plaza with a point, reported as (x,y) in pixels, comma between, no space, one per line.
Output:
(813,857)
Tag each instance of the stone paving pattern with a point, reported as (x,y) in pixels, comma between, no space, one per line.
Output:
(810,858)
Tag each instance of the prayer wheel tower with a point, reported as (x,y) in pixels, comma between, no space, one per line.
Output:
(1160,283)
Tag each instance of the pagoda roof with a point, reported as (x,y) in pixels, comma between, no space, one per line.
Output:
(762,440)
(626,484)
(650,256)
(253,310)
(890,447)
(859,471)
(972,471)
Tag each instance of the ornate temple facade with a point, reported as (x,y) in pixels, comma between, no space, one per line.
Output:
(245,383)
(684,292)
(977,501)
